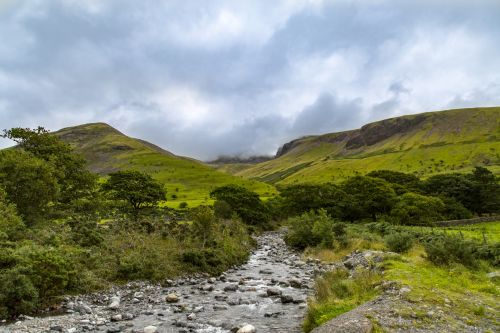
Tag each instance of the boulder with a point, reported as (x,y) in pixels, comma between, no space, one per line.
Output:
(172,298)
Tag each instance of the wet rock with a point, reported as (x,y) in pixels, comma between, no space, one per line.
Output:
(295,283)
(219,307)
(117,317)
(82,308)
(247,329)
(172,298)
(115,303)
(150,329)
(273,292)
(285,299)
(231,287)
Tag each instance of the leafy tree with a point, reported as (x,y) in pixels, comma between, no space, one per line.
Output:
(75,182)
(29,182)
(11,225)
(245,203)
(310,229)
(368,197)
(485,191)
(453,185)
(400,181)
(416,209)
(137,189)
(203,222)
(301,198)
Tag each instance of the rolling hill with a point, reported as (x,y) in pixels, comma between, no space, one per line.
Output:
(107,150)
(424,144)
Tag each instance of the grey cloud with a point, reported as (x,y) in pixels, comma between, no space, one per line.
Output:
(61,64)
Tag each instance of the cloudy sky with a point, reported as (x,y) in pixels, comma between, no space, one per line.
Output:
(203,78)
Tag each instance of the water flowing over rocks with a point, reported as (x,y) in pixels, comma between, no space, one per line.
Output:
(267,294)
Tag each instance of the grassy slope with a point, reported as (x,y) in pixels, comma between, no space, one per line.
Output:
(107,150)
(453,140)
(454,291)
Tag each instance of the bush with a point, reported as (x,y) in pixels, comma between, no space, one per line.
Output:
(17,294)
(310,229)
(444,250)
(417,209)
(399,242)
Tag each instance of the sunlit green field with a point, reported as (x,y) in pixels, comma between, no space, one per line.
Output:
(186,180)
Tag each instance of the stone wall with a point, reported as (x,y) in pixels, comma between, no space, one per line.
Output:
(475,220)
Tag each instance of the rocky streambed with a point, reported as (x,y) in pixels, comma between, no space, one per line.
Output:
(267,294)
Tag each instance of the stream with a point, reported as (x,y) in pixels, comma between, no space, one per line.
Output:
(268,292)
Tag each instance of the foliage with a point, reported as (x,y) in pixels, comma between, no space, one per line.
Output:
(203,223)
(401,182)
(301,198)
(68,167)
(485,191)
(370,197)
(399,242)
(444,249)
(29,183)
(417,209)
(311,229)
(137,189)
(454,210)
(244,202)
(11,225)
(337,293)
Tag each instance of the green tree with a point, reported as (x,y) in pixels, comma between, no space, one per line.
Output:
(485,191)
(203,222)
(301,198)
(245,203)
(416,209)
(368,197)
(400,181)
(75,182)
(11,225)
(138,190)
(29,183)
(452,185)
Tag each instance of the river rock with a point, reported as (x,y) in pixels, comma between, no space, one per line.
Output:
(172,298)
(150,329)
(285,299)
(247,329)
(231,287)
(115,303)
(273,292)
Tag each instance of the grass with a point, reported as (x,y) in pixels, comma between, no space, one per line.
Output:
(336,293)
(466,293)
(449,141)
(489,231)
(459,293)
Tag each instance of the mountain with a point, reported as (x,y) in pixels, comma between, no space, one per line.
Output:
(107,149)
(424,144)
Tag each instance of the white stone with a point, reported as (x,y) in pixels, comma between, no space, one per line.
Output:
(150,329)
(247,329)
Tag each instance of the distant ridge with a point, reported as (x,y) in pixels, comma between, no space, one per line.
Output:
(424,144)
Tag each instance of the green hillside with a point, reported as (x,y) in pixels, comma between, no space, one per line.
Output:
(424,144)
(107,150)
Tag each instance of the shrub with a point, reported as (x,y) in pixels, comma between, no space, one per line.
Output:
(310,229)
(17,293)
(399,242)
(417,209)
(444,250)
(183,205)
